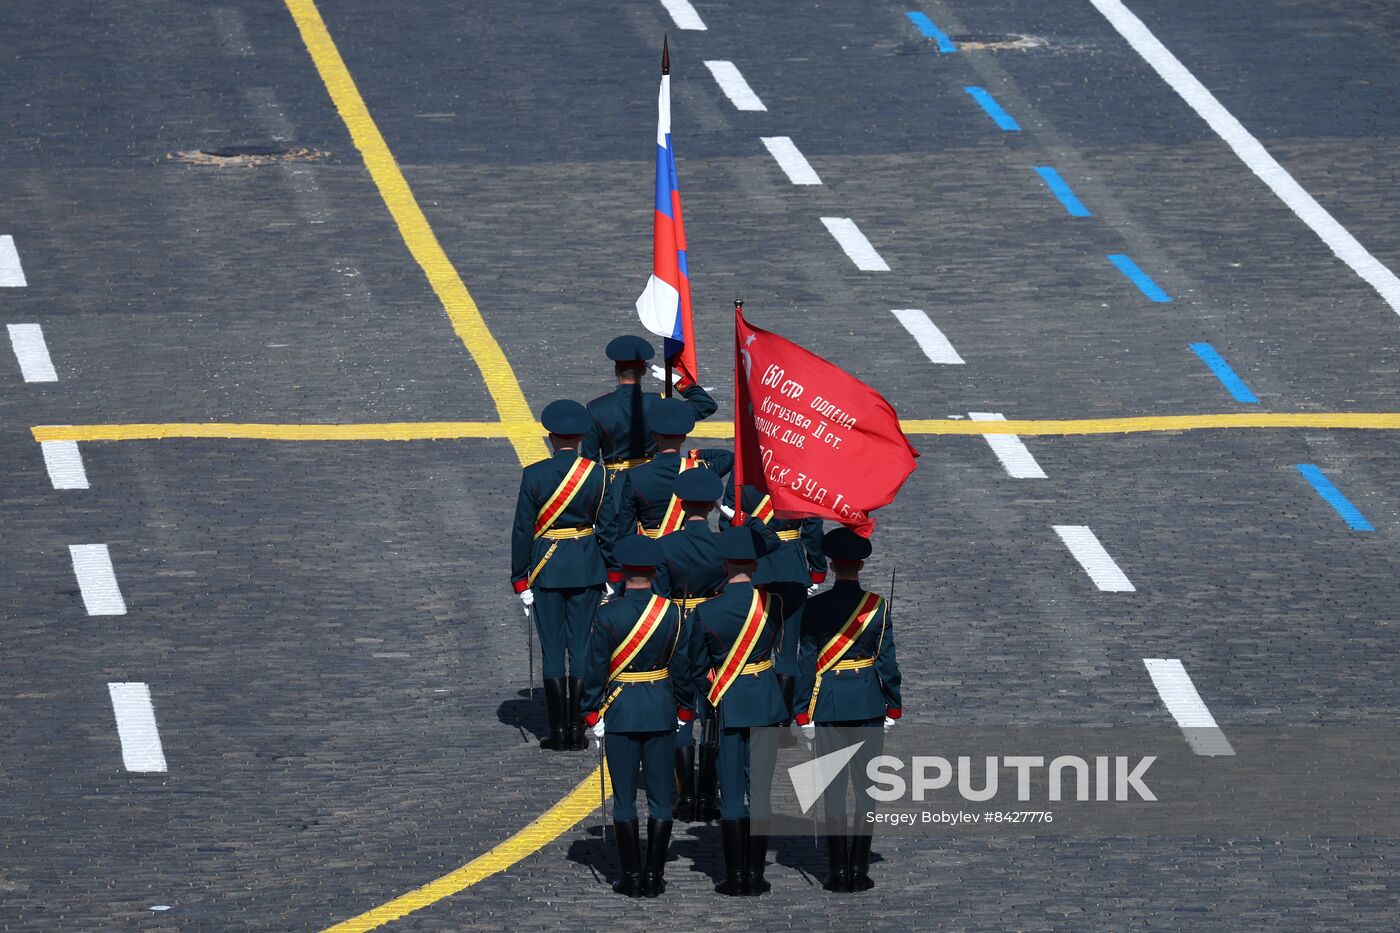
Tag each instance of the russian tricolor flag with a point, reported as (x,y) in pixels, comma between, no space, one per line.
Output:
(664,305)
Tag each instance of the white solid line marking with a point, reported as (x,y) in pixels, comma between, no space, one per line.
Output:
(92,564)
(1186,706)
(11,272)
(32,353)
(791,160)
(65,464)
(855,244)
(1085,547)
(684,14)
(1009,450)
(929,338)
(136,727)
(734,86)
(1251,152)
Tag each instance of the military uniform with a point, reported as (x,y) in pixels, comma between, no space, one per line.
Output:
(692,572)
(745,694)
(619,436)
(848,686)
(557,566)
(640,679)
(793,563)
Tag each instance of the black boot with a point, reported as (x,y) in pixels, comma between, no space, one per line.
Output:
(555,708)
(789,687)
(707,790)
(629,853)
(574,732)
(838,877)
(755,858)
(685,783)
(860,864)
(732,835)
(658,844)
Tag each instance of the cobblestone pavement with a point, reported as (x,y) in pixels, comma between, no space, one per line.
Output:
(335,661)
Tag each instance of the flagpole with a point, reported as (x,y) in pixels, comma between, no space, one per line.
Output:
(739,398)
(665,70)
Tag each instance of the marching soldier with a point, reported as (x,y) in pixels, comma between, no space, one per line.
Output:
(847,688)
(691,573)
(640,682)
(740,632)
(618,435)
(556,565)
(793,568)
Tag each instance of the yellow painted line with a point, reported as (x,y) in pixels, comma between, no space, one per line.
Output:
(417,234)
(553,823)
(519,432)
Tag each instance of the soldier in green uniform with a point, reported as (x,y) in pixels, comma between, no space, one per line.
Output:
(640,682)
(793,568)
(618,435)
(740,631)
(556,566)
(692,572)
(847,689)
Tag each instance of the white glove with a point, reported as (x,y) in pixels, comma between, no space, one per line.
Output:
(889,723)
(527,599)
(608,591)
(681,724)
(659,373)
(809,731)
(595,734)
(812,590)
(728,512)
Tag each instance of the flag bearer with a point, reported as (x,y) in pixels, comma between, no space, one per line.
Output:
(847,689)
(618,435)
(640,682)
(740,632)
(556,565)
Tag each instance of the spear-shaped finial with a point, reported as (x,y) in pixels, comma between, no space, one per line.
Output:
(738,304)
(665,54)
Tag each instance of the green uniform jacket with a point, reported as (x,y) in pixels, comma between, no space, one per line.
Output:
(640,707)
(754,699)
(641,494)
(575,563)
(799,561)
(847,696)
(620,431)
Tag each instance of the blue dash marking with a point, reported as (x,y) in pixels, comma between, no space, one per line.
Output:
(989,104)
(1138,277)
(926,26)
(1349,513)
(1062,191)
(1233,383)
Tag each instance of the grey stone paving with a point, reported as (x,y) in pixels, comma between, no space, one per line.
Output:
(334,657)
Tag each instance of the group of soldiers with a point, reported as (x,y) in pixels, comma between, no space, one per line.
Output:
(653,624)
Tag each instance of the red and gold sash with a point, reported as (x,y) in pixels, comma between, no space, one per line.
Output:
(764,510)
(865,612)
(559,500)
(671,521)
(641,633)
(742,648)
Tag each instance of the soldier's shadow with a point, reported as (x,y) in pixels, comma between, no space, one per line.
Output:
(700,845)
(806,854)
(525,713)
(596,853)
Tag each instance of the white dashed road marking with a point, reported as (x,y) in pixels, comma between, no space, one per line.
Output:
(92,565)
(136,727)
(32,353)
(11,272)
(1251,151)
(855,244)
(1009,449)
(734,86)
(684,14)
(1186,706)
(65,464)
(929,338)
(1085,547)
(791,160)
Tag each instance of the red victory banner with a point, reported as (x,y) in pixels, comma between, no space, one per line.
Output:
(822,443)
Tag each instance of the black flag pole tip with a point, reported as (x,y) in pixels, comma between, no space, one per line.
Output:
(738,304)
(665,54)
